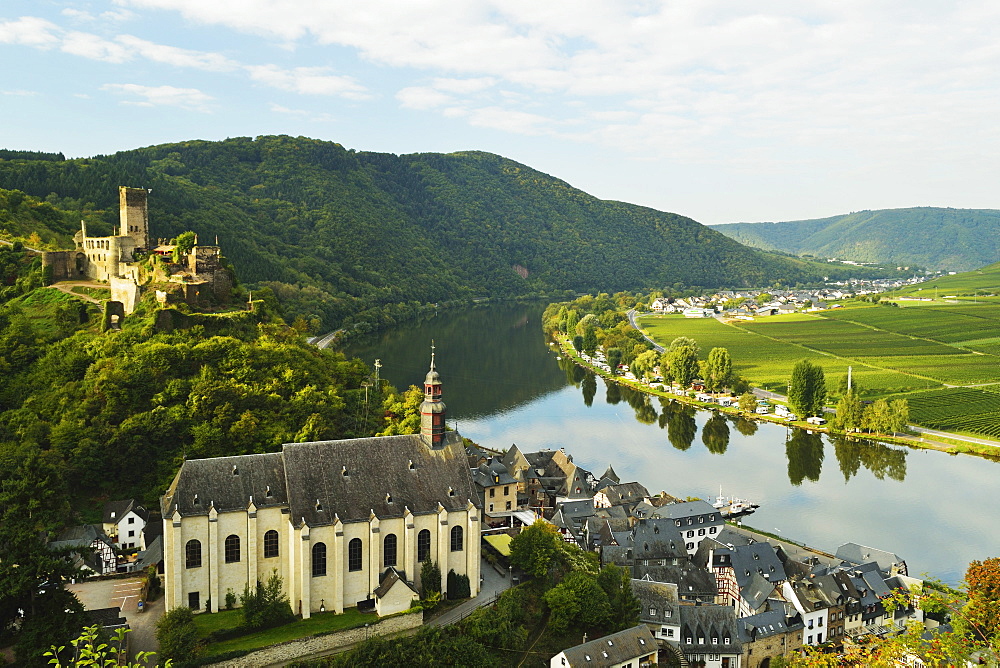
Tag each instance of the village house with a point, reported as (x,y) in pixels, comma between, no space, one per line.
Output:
(634,647)
(124,522)
(343,523)
(697,520)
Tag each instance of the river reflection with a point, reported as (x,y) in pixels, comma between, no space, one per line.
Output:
(503,385)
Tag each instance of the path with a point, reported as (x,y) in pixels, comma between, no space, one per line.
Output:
(67,287)
(631,321)
(493,585)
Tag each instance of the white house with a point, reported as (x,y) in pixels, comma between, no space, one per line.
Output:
(124,521)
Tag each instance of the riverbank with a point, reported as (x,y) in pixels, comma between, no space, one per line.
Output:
(956,446)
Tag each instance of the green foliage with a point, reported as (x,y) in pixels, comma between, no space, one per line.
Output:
(266,604)
(535,548)
(747,402)
(402,412)
(183,245)
(458,586)
(430,579)
(850,412)
(719,369)
(616,582)
(577,601)
(807,391)
(88,650)
(431,646)
(715,434)
(177,635)
(578,343)
(614,357)
(680,361)
(936,237)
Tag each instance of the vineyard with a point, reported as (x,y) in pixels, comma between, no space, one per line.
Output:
(959,409)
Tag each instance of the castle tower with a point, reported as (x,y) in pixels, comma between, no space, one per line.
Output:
(432,410)
(134,215)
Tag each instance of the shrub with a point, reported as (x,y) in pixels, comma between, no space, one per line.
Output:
(266,605)
(177,635)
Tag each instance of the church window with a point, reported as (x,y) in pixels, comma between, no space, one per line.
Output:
(319,560)
(270,544)
(389,550)
(354,555)
(456,539)
(423,545)
(232,548)
(192,554)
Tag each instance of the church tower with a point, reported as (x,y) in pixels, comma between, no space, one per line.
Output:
(432,409)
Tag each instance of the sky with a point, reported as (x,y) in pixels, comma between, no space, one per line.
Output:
(720,110)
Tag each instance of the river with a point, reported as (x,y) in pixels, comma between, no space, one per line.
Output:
(503,384)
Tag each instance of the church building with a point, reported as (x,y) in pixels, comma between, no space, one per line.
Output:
(345,523)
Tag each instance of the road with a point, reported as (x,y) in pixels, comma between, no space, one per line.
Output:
(124,595)
(631,321)
(67,287)
(493,584)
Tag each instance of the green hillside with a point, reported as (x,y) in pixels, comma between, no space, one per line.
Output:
(981,282)
(340,235)
(950,239)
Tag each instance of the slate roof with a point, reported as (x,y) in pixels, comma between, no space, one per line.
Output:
(660,597)
(862,554)
(325,480)
(658,538)
(691,582)
(114,511)
(492,473)
(614,649)
(388,578)
(756,591)
(626,493)
(151,556)
(690,510)
(766,624)
(708,623)
(757,559)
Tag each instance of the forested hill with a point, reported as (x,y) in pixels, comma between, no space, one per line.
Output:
(336,232)
(951,239)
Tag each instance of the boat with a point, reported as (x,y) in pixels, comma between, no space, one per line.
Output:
(732,507)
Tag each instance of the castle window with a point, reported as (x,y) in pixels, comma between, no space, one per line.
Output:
(354,555)
(456,539)
(192,554)
(389,550)
(423,545)
(270,544)
(232,548)
(319,560)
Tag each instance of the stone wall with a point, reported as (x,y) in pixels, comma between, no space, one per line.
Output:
(304,647)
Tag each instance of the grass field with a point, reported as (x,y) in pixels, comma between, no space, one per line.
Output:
(893,352)
(767,362)
(982,280)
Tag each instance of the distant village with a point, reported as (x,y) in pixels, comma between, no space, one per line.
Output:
(743,304)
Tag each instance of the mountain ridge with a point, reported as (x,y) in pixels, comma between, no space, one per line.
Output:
(931,237)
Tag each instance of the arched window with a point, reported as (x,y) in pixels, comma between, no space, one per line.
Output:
(319,560)
(354,555)
(389,550)
(192,554)
(232,548)
(423,545)
(270,544)
(456,539)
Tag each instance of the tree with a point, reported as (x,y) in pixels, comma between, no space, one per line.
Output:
(982,612)
(88,650)
(577,601)
(458,586)
(644,365)
(589,340)
(899,411)
(182,245)
(849,412)
(719,369)
(266,605)
(578,343)
(807,391)
(614,356)
(534,549)
(747,402)
(177,635)
(877,417)
(430,578)
(616,582)
(715,434)
(680,361)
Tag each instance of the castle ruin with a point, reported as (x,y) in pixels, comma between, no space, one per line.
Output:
(123,261)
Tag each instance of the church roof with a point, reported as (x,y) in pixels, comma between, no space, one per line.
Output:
(321,481)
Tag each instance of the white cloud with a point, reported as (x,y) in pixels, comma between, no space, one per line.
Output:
(94,47)
(172,55)
(423,98)
(19,93)
(158,96)
(29,31)
(308,81)
(302,113)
